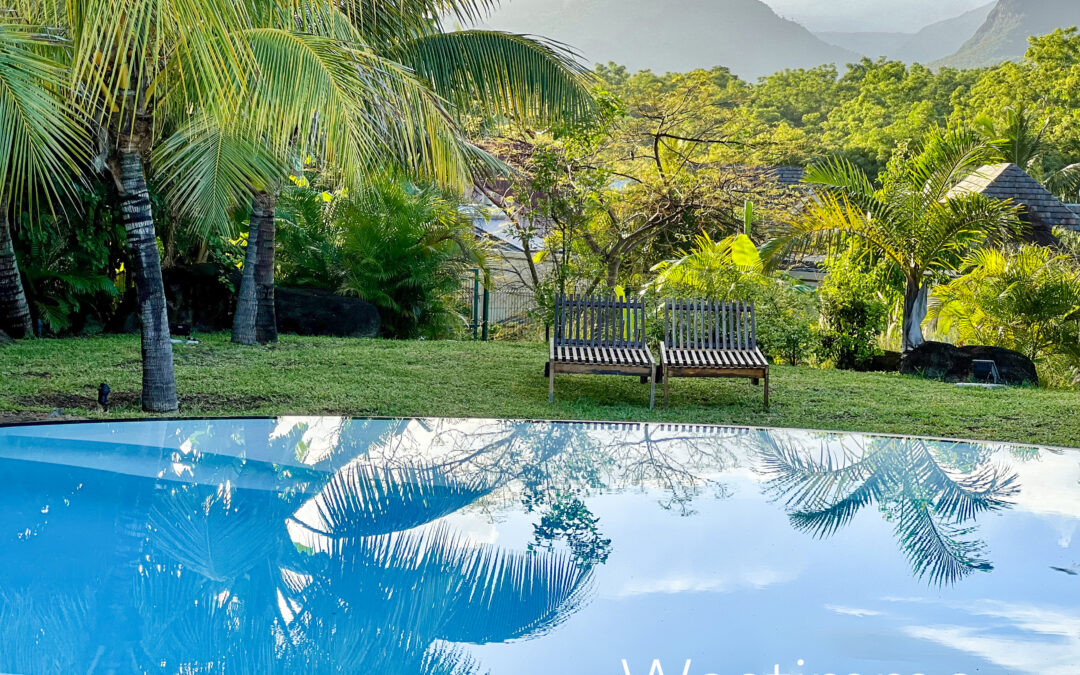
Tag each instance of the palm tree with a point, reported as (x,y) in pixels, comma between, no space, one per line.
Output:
(914,219)
(522,78)
(927,503)
(136,66)
(41,145)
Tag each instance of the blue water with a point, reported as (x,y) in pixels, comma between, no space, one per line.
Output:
(401,547)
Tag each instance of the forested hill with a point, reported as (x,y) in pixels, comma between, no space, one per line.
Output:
(1004,35)
(745,35)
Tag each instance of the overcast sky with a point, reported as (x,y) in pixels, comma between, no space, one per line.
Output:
(871,15)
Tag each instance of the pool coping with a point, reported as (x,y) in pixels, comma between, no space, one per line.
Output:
(837,432)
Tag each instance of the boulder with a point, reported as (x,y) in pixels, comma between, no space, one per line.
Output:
(200,297)
(942,361)
(887,362)
(5,339)
(312,312)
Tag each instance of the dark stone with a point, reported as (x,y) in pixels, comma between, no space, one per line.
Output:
(200,297)
(313,312)
(888,362)
(942,361)
(5,339)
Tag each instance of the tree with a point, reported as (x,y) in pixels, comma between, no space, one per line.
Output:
(42,144)
(914,220)
(517,77)
(135,67)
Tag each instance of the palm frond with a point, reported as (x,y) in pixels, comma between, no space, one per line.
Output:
(209,172)
(43,142)
(525,78)
(363,500)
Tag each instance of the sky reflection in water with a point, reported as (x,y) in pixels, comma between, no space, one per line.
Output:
(323,545)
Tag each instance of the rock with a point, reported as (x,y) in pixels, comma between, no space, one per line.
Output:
(942,361)
(313,312)
(888,362)
(199,297)
(5,339)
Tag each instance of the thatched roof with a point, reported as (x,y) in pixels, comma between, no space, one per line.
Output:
(1042,210)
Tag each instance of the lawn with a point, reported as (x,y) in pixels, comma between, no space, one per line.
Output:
(312,376)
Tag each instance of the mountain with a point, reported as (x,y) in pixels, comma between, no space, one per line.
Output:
(1004,34)
(933,42)
(944,37)
(869,43)
(745,35)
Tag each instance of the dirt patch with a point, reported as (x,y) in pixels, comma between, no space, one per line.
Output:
(31,373)
(8,417)
(124,399)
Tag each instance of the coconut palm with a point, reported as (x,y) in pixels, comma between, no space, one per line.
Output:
(136,66)
(1019,137)
(927,502)
(914,219)
(517,77)
(42,143)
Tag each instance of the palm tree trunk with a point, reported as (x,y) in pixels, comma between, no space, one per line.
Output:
(247,303)
(915,306)
(262,214)
(158,381)
(14,311)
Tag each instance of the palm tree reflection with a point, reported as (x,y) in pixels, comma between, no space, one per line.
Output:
(931,505)
(265,547)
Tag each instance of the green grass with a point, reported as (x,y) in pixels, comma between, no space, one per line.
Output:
(309,376)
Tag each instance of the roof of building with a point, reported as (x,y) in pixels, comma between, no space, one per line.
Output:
(791,176)
(1009,181)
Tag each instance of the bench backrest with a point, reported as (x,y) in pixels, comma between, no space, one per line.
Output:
(595,320)
(707,324)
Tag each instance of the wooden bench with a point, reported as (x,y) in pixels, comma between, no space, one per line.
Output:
(600,336)
(703,338)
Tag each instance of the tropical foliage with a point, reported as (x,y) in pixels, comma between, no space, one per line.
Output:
(1027,299)
(928,501)
(913,218)
(404,249)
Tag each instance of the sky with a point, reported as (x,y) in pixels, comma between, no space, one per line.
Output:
(871,15)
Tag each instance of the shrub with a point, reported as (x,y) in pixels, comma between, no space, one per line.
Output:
(854,309)
(787,313)
(404,249)
(1026,299)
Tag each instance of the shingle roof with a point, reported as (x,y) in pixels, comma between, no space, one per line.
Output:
(1009,181)
(791,176)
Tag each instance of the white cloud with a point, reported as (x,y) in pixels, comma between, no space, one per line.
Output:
(1048,642)
(852,611)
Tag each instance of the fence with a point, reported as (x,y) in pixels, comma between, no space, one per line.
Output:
(507,311)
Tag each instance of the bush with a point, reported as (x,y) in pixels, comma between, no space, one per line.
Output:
(855,309)
(1027,300)
(787,313)
(403,249)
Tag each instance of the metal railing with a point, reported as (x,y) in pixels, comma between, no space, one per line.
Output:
(506,311)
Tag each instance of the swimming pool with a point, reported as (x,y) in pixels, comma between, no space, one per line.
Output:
(322,545)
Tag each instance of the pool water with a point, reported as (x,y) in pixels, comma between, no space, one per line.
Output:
(403,547)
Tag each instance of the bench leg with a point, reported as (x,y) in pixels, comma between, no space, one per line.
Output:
(666,378)
(652,389)
(755,381)
(551,382)
(766,389)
